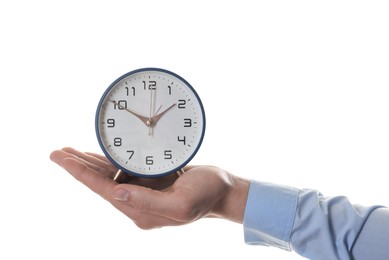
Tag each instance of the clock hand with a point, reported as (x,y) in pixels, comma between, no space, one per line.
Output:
(155,118)
(144,119)
(152,108)
(158,110)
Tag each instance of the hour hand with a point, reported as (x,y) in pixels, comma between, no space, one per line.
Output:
(144,119)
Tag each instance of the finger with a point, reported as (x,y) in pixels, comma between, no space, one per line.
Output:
(99,156)
(59,155)
(98,165)
(93,180)
(168,204)
(100,161)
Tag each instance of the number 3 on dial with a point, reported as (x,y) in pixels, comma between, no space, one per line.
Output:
(150,122)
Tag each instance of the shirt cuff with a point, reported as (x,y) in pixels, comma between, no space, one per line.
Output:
(269,214)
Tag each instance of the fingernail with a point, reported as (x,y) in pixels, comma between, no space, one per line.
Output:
(121,195)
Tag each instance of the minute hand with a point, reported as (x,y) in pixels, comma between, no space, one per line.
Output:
(144,119)
(155,118)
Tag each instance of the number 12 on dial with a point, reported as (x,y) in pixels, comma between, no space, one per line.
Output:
(150,122)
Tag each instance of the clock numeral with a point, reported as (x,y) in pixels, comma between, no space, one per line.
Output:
(128,91)
(168,154)
(181,103)
(117,141)
(121,104)
(111,122)
(169,89)
(182,139)
(151,85)
(131,152)
(149,160)
(187,122)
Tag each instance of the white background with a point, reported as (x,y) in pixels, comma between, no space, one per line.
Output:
(295,92)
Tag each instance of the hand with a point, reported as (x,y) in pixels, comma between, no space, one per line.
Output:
(203,191)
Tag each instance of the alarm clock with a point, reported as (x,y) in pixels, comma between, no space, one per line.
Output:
(150,122)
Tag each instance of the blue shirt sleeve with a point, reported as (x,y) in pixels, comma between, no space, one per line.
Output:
(305,221)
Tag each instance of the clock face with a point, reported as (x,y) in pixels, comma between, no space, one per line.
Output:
(150,122)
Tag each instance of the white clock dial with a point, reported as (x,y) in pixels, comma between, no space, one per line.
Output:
(150,122)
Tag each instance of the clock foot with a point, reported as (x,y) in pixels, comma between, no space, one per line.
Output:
(121,177)
(180,172)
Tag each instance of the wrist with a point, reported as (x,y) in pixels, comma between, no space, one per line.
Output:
(232,205)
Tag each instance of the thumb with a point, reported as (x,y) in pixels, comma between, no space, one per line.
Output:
(146,200)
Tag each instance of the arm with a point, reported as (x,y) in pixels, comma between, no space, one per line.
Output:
(288,218)
(372,242)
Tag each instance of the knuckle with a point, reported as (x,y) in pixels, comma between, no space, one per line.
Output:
(141,204)
(186,211)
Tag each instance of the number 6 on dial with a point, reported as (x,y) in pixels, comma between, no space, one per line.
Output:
(150,122)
